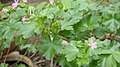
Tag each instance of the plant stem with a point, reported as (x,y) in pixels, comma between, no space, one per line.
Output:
(51,63)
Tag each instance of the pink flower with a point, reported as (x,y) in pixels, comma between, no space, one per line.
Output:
(51,1)
(93,44)
(23,18)
(25,1)
(14,5)
(64,43)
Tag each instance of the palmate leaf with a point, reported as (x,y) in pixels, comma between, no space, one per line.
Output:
(81,26)
(107,61)
(110,62)
(50,52)
(70,20)
(18,14)
(118,32)
(88,23)
(41,6)
(67,25)
(116,56)
(83,60)
(9,34)
(71,17)
(27,30)
(99,31)
(112,24)
(64,63)
(92,21)
(48,48)
(71,52)
(67,3)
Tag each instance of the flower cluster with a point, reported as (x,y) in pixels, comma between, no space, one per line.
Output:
(92,44)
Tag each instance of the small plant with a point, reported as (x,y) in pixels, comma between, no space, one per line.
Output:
(79,32)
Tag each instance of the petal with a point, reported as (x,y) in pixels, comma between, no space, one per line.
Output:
(95,43)
(16,1)
(23,18)
(14,5)
(51,1)
(25,1)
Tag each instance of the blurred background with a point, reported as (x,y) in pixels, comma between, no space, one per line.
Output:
(33,2)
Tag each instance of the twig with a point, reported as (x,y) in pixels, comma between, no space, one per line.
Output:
(40,61)
(1,54)
(51,63)
(55,64)
(36,58)
(33,55)
(16,62)
(7,54)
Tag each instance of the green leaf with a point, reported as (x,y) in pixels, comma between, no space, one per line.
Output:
(103,62)
(116,56)
(67,24)
(3,65)
(27,30)
(99,31)
(1,6)
(92,21)
(17,14)
(49,53)
(112,24)
(67,3)
(110,62)
(105,52)
(41,6)
(20,65)
(64,63)
(81,26)
(48,48)
(118,32)
(29,47)
(9,34)
(70,52)
(93,6)
(82,61)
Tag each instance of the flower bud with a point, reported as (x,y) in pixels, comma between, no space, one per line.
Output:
(64,43)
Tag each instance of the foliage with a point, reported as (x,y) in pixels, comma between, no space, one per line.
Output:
(3,65)
(82,23)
